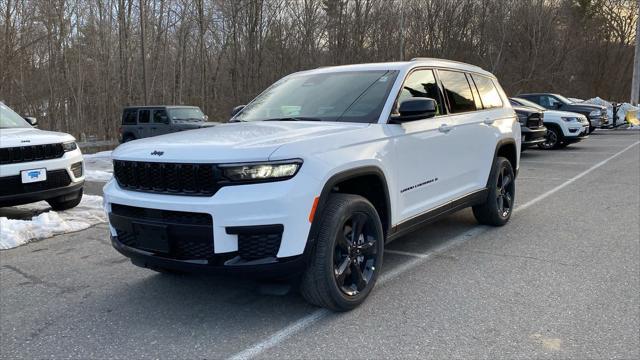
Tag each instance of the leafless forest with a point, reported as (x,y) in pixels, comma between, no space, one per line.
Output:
(74,64)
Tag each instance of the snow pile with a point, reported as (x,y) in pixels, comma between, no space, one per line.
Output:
(18,232)
(98,167)
(622,110)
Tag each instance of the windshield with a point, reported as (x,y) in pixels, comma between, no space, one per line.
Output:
(528,103)
(9,119)
(193,114)
(563,99)
(351,96)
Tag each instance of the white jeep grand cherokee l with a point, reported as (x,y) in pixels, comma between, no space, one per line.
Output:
(315,174)
(37,165)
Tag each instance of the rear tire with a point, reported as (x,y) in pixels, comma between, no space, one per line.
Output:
(347,257)
(61,203)
(497,209)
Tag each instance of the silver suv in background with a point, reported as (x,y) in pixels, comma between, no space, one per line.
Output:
(145,121)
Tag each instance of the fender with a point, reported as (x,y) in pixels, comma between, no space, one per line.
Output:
(327,189)
(500,144)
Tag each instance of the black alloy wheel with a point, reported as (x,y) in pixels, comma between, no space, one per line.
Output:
(505,192)
(355,254)
(551,140)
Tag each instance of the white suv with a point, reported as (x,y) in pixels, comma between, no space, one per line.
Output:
(37,165)
(315,174)
(563,127)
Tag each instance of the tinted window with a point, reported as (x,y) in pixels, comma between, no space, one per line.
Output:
(160,116)
(144,116)
(457,91)
(549,102)
(488,92)
(421,83)
(349,96)
(130,116)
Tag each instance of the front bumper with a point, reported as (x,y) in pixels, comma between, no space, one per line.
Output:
(61,180)
(531,137)
(230,212)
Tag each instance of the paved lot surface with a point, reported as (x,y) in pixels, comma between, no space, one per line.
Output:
(561,280)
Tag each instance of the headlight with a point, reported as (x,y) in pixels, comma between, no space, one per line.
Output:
(69,146)
(569,119)
(261,171)
(595,113)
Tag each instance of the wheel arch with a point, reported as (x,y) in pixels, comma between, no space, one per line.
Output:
(507,148)
(375,190)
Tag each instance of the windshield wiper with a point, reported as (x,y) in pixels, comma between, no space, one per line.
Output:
(294,118)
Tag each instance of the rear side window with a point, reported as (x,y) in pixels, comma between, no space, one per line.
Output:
(457,91)
(420,83)
(143,117)
(488,92)
(130,116)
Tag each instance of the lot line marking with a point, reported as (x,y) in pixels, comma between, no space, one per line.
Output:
(317,315)
(403,253)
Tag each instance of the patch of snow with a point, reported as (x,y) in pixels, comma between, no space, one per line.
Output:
(18,232)
(622,109)
(98,167)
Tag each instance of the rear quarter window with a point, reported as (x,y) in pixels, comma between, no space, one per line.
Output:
(488,92)
(130,117)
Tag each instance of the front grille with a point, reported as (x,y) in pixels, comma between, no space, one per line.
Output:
(534,121)
(190,234)
(167,178)
(12,185)
(21,154)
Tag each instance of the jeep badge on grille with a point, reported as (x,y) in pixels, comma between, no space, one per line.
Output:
(156,152)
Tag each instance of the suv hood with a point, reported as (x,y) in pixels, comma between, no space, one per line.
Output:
(12,137)
(235,142)
(585,107)
(558,114)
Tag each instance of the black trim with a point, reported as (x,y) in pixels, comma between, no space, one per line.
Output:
(407,226)
(26,198)
(533,136)
(328,188)
(499,146)
(254,229)
(221,263)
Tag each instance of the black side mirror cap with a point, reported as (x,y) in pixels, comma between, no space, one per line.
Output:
(416,109)
(31,120)
(236,110)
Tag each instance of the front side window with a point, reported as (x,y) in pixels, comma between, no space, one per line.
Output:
(9,118)
(349,96)
(549,102)
(488,92)
(419,84)
(457,91)
(160,116)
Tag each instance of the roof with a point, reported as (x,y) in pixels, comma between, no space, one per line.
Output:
(401,65)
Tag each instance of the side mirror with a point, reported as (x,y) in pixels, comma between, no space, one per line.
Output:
(236,110)
(32,121)
(416,109)
(206,118)
(558,105)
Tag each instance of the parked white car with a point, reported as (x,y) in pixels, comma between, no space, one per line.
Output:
(37,165)
(563,127)
(313,176)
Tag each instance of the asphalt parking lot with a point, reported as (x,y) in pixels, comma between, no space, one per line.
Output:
(561,280)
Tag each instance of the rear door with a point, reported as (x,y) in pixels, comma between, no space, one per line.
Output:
(144,123)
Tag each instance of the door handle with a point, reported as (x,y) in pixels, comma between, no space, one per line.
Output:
(445,128)
(489,121)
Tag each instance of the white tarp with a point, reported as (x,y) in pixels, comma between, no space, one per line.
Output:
(622,110)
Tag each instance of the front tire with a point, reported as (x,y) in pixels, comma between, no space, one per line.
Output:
(348,254)
(552,139)
(497,209)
